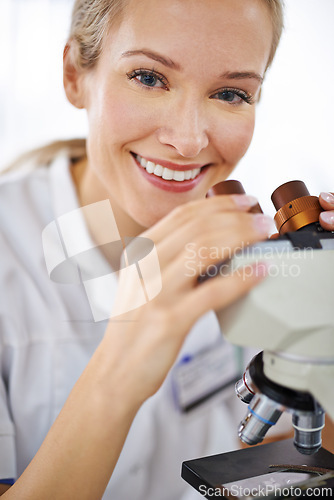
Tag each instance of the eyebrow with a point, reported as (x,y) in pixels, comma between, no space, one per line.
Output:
(166,61)
(242,75)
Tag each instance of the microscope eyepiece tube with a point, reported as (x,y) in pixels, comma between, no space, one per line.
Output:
(308,427)
(262,414)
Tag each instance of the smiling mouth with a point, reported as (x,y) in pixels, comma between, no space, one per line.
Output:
(166,173)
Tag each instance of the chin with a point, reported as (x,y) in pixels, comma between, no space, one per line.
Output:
(148,214)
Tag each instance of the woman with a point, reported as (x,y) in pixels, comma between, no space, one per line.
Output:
(170,90)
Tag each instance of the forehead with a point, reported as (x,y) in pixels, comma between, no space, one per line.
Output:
(237,32)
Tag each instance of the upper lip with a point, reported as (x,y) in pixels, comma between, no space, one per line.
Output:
(174,166)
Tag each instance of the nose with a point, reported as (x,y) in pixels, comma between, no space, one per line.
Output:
(185,129)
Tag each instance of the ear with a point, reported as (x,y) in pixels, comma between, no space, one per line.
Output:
(73,77)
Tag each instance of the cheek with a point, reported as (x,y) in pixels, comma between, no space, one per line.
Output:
(120,119)
(235,138)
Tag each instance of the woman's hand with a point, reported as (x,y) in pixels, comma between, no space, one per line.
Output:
(145,342)
(327,217)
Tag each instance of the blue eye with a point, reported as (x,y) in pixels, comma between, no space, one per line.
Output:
(148,78)
(233,96)
(227,95)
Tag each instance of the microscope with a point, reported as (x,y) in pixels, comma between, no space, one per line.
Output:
(290,318)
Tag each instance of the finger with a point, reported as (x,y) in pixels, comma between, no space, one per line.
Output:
(182,214)
(220,292)
(209,240)
(327,220)
(327,201)
(183,272)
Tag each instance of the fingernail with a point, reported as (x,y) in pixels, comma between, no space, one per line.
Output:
(327,197)
(328,218)
(245,200)
(264,224)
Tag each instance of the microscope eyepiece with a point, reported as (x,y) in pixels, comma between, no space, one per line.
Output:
(232,187)
(296,208)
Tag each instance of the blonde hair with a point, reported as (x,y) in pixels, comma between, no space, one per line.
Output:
(44,155)
(91,22)
(276,8)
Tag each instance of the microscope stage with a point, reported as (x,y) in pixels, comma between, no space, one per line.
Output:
(277,465)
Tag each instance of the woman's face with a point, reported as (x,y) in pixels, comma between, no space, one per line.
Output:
(171,102)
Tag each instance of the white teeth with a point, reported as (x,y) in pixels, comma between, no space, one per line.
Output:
(195,172)
(178,175)
(150,166)
(167,173)
(158,170)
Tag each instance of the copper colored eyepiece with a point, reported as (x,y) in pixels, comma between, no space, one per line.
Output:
(228,187)
(231,187)
(295,206)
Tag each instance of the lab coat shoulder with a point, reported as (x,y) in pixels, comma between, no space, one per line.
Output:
(24,211)
(24,205)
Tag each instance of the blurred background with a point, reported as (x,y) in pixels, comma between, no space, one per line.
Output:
(294,135)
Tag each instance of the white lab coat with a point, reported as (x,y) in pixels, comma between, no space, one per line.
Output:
(47,336)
